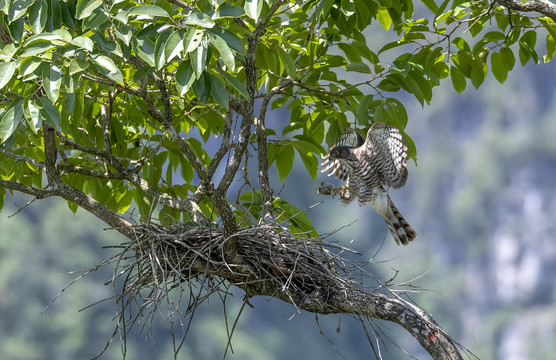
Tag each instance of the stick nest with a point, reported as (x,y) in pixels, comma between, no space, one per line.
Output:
(270,261)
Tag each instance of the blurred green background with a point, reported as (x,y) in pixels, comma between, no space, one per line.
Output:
(482,199)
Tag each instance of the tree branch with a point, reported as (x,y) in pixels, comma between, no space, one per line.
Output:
(50,155)
(182,4)
(224,145)
(187,205)
(301,271)
(264,182)
(217,198)
(166,122)
(26,159)
(544,7)
(84,201)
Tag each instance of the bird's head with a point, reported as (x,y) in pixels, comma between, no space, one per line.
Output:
(340,152)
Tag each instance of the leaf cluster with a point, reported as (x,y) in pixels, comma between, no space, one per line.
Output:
(137,91)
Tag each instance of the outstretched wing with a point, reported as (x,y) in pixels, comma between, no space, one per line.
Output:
(387,154)
(349,138)
(339,169)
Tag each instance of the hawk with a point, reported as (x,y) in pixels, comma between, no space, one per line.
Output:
(369,167)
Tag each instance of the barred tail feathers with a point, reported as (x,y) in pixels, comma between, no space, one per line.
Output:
(401,230)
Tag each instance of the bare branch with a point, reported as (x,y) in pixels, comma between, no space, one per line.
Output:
(83,200)
(5,37)
(181,4)
(166,121)
(264,182)
(50,155)
(106,115)
(23,158)
(544,7)
(224,145)
(67,168)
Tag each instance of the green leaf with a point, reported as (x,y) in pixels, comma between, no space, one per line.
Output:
(498,67)
(527,47)
(112,71)
(284,160)
(28,65)
(395,113)
(286,60)
(85,8)
(359,67)
(17,9)
(184,77)
(77,65)
(145,50)
(52,79)
(219,91)
(225,52)
(383,17)
(201,88)
(192,39)
(49,112)
(509,57)
(174,45)
(238,85)
(54,20)
(83,42)
(225,11)
(362,112)
(351,54)
(458,79)
(199,151)
(38,15)
(7,70)
(148,10)
(199,19)
(309,160)
(160,47)
(550,48)
(10,119)
(32,115)
(253,8)
(199,60)
(231,39)
(123,33)
(477,76)
(38,47)
(431,4)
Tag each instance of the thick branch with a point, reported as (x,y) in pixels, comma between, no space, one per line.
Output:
(544,7)
(50,155)
(5,37)
(224,145)
(217,198)
(301,271)
(264,182)
(390,308)
(83,200)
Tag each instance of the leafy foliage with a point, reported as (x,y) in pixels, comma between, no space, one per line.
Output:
(99,73)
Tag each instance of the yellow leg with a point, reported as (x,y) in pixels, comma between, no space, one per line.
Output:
(342,190)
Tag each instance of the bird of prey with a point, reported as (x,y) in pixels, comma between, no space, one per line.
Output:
(369,167)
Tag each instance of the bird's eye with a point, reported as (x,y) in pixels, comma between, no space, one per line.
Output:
(337,152)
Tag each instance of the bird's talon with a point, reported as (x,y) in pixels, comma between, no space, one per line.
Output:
(341,190)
